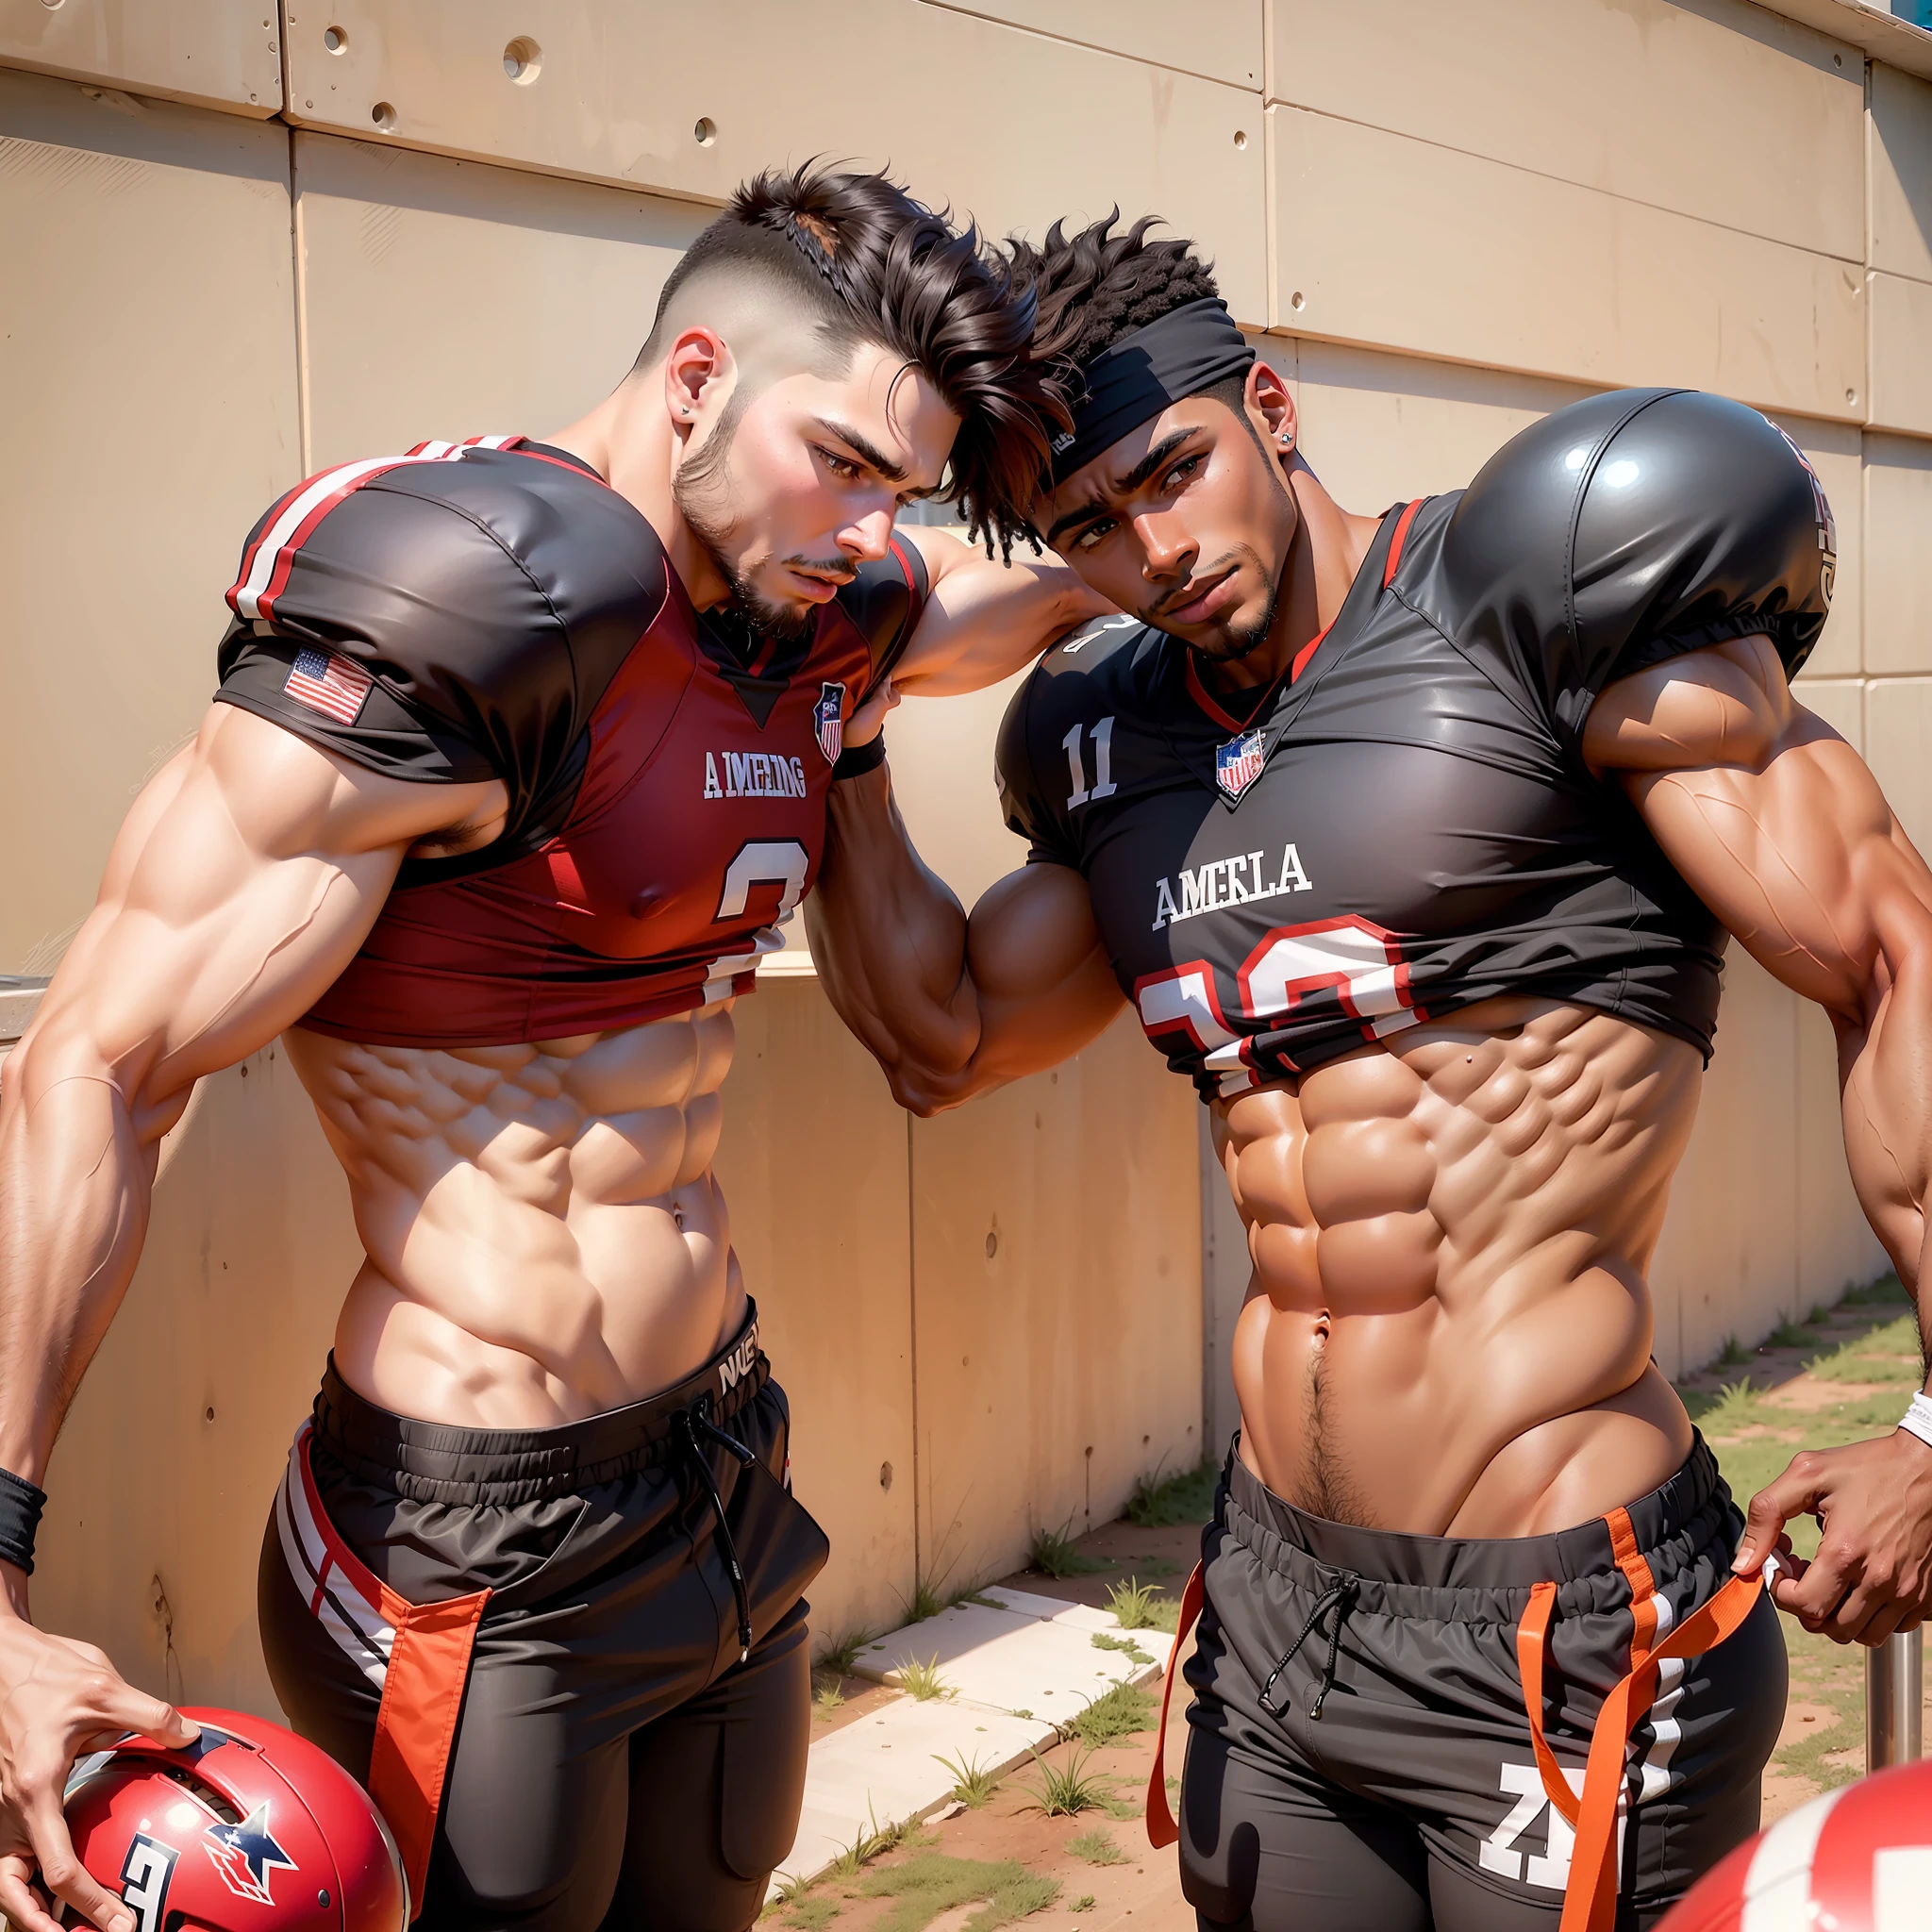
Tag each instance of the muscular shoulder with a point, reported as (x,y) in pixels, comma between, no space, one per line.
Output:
(1626,530)
(454,613)
(885,601)
(1107,666)
(1727,705)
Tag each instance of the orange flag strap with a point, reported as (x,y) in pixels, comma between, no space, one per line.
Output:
(1589,1901)
(416,1725)
(1161,1829)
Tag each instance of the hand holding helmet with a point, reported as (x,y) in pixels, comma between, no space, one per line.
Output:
(249,1828)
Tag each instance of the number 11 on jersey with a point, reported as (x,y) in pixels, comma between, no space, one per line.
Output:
(1103,763)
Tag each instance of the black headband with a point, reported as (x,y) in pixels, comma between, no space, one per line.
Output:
(1178,354)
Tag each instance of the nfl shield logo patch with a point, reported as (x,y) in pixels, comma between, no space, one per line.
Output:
(828,721)
(1238,765)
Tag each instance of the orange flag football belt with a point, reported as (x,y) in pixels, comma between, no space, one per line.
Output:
(1589,1901)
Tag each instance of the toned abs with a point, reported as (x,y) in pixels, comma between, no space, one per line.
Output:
(545,1237)
(1448,1331)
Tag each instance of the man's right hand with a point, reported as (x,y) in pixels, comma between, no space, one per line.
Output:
(59,1699)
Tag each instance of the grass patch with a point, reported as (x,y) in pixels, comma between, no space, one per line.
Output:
(1731,1407)
(1161,1502)
(984,1603)
(922,1681)
(872,1842)
(1888,1354)
(825,1700)
(1085,1902)
(1823,1675)
(1097,1847)
(1138,1606)
(1054,1554)
(924,1887)
(973,1783)
(1067,1790)
(925,1602)
(1104,1640)
(1115,1714)
(1820,1316)
(812,1914)
(1888,1288)
(842,1653)
(1731,1353)
(1788,1334)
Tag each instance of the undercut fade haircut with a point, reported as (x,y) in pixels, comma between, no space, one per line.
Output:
(1094,287)
(857,255)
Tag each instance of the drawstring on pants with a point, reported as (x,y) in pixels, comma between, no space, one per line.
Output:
(692,1422)
(1340,1597)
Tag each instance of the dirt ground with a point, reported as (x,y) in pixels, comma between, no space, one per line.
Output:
(1845,1373)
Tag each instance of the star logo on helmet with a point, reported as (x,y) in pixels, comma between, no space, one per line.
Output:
(247,1856)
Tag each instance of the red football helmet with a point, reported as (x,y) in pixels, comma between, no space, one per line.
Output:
(1857,1860)
(249,1829)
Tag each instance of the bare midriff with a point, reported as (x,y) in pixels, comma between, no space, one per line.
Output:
(544,1236)
(1448,1331)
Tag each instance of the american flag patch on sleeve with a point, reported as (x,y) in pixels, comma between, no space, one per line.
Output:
(329,683)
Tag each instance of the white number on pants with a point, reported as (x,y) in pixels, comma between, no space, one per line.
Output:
(1550,1869)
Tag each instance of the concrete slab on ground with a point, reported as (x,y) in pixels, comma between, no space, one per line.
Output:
(1016,1665)
(886,1771)
(1029,1654)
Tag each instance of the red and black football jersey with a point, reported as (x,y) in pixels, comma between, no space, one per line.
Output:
(1405,824)
(494,609)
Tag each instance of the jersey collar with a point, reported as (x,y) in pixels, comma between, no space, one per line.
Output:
(1199,728)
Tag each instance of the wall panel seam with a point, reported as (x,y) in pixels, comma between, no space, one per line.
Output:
(1581,186)
(298,284)
(1040,33)
(918,1457)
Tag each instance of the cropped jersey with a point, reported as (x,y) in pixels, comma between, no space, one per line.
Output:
(494,609)
(1404,825)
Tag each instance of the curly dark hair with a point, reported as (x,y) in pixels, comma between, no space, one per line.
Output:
(1096,287)
(871,264)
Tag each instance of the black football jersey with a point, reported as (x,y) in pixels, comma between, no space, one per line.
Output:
(1405,824)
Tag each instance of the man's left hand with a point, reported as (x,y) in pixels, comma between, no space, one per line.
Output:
(1873,1573)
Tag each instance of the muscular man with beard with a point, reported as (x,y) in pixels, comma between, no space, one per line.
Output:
(520,757)
(1415,841)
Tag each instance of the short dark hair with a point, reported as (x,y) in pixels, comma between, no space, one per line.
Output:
(1094,288)
(871,264)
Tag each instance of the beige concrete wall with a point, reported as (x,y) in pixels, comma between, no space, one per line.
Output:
(224,53)
(1453,220)
(147,362)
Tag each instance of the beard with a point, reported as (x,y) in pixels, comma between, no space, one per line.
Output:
(1231,643)
(703,494)
(1235,642)
(1227,644)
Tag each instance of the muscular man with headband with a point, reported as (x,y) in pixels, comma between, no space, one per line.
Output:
(1414,841)
(520,753)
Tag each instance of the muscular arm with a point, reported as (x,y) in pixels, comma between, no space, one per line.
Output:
(1782,831)
(951,1006)
(985,620)
(240,885)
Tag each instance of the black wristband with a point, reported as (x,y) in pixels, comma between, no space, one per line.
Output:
(855,759)
(21,1505)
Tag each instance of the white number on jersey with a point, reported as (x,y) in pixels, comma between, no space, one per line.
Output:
(1103,764)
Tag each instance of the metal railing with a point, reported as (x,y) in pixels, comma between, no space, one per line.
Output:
(1894,1700)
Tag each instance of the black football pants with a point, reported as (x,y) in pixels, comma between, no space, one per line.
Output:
(527,1645)
(1360,1757)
